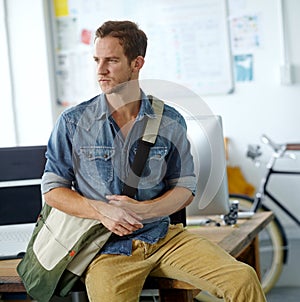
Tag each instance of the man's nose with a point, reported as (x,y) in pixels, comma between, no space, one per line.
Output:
(102,68)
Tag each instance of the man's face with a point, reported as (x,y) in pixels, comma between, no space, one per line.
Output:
(113,67)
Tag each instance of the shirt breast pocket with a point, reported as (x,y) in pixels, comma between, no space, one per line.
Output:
(155,167)
(98,162)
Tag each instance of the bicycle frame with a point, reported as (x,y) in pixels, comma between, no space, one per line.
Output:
(258,200)
(263,190)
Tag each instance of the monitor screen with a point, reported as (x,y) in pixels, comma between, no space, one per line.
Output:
(21,204)
(26,162)
(21,169)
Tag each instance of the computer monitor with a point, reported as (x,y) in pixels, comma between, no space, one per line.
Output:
(21,169)
(22,162)
(205,134)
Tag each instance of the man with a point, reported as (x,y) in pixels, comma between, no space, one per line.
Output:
(88,160)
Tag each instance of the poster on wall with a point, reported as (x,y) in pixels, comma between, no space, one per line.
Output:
(246,37)
(74,66)
(188,43)
(243,68)
(245,33)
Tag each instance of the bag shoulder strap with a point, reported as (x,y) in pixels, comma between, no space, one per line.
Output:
(152,126)
(143,148)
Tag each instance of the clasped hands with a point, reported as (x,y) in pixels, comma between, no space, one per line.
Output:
(122,215)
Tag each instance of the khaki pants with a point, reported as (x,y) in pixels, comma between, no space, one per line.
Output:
(180,255)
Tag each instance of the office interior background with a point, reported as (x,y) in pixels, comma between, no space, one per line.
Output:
(265,97)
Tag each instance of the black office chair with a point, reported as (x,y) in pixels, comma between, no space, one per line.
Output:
(179,217)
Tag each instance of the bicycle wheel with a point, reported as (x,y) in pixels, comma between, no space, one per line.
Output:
(271,246)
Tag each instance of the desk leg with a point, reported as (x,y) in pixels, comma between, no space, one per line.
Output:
(251,256)
(177,295)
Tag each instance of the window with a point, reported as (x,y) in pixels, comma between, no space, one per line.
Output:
(7,132)
(25,96)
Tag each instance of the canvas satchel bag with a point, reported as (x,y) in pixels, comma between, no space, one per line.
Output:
(60,249)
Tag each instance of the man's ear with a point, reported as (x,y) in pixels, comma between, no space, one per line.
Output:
(137,63)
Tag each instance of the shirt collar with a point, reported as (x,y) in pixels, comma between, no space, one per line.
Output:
(145,109)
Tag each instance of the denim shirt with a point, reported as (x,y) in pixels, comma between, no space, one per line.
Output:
(87,152)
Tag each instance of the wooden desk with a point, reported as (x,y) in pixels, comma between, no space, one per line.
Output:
(240,241)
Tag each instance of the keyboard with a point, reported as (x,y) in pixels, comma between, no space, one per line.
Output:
(13,242)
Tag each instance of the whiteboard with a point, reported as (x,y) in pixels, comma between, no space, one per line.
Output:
(188,43)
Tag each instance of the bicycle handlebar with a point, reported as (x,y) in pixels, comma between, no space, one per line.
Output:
(284,147)
(254,151)
(276,147)
(293,146)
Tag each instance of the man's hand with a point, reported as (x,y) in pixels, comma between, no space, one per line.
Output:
(125,202)
(170,202)
(117,219)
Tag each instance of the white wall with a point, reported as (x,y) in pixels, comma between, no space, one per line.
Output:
(265,105)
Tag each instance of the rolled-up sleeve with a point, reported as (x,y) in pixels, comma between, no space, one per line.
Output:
(59,167)
(188,182)
(51,180)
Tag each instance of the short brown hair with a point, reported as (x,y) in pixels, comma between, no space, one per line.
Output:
(133,40)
